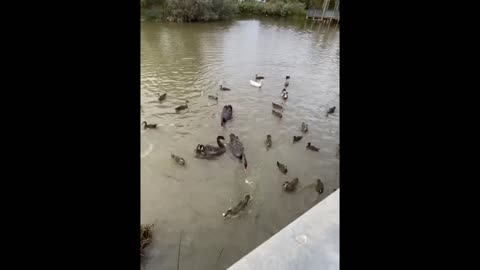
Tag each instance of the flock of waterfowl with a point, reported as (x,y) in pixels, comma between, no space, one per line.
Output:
(236,147)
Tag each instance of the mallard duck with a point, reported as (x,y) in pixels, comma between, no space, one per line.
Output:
(178,159)
(286,84)
(304,127)
(162,96)
(331,110)
(213,97)
(282,167)
(259,77)
(238,208)
(290,186)
(268,142)
(311,147)
(209,151)
(284,94)
(319,187)
(256,84)
(277,114)
(224,88)
(182,107)
(297,138)
(227,114)
(277,106)
(145,125)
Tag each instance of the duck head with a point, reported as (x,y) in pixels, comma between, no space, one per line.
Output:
(228,212)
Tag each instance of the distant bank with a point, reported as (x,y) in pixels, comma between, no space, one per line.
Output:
(215,10)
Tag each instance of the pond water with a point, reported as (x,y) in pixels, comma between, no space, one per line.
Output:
(189,62)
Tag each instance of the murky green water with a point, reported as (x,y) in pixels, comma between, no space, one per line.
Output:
(188,62)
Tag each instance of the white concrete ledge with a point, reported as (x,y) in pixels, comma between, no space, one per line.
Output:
(309,242)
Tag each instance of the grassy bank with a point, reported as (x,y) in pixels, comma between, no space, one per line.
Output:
(213,10)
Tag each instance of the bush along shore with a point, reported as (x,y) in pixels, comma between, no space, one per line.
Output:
(215,10)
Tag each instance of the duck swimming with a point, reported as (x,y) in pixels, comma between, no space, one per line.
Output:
(259,77)
(182,107)
(282,167)
(319,187)
(145,125)
(268,142)
(304,127)
(224,88)
(311,147)
(277,114)
(256,84)
(284,94)
(297,138)
(162,96)
(331,111)
(237,149)
(213,97)
(277,106)
(178,159)
(209,151)
(227,114)
(290,186)
(238,208)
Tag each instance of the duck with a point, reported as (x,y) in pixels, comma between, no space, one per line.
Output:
(256,84)
(319,187)
(311,147)
(238,208)
(282,167)
(145,125)
(178,159)
(209,151)
(227,114)
(182,107)
(290,186)
(331,111)
(277,106)
(268,142)
(286,84)
(213,97)
(287,77)
(284,94)
(297,138)
(304,127)
(277,114)
(236,146)
(162,96)
(259,77)
(224,88)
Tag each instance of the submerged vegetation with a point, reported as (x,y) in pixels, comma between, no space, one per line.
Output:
(145,237)
(213,10)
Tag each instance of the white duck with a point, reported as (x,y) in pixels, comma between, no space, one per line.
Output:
(256,84)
